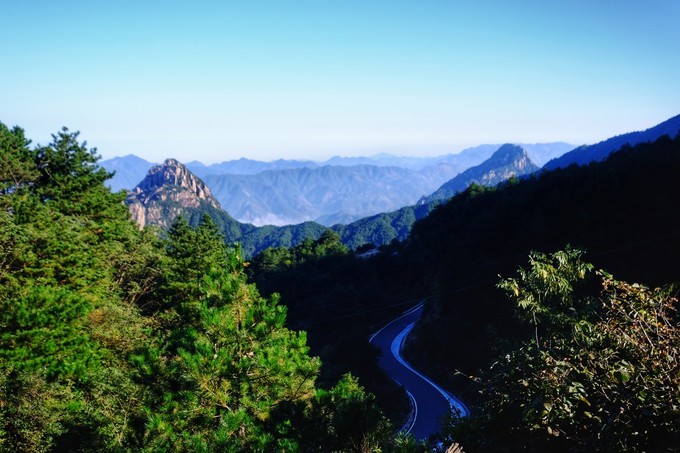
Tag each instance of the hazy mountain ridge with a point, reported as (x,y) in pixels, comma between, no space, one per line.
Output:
(328,192)
(128,171)
(540,153)
(341,189)
(380,229)
(244,166)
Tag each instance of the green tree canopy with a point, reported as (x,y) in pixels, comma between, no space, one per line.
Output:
(17,169)
(66,324)
(604,374)
(115,339)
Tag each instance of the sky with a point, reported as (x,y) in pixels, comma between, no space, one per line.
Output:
(219,80)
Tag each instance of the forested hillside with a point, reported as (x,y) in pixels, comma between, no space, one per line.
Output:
(340,299)
(622,211)
(113,339)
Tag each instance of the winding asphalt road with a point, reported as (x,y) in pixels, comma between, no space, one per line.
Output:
(429,401)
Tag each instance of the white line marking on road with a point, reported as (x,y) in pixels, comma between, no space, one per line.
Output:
(406,313)
(397,345)
(414,411)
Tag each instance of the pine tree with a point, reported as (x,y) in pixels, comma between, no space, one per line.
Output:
(17,170)
(65,326)
(228,362)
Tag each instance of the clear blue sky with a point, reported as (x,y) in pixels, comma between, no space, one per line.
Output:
(309,79)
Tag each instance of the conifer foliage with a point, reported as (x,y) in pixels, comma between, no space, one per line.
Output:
(115,339)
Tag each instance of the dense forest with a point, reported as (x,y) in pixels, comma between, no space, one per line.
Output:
(623,212)
(113,339)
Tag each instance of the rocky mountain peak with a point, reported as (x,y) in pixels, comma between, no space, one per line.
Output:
(507,161)
(509,154)
(172,172)
(170,186)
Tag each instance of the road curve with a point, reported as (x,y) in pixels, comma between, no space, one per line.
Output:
(429,401)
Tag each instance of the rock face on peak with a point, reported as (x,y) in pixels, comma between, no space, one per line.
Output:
(167,191)
(174,173)
(508,161)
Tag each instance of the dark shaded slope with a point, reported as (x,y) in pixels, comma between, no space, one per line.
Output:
(584,154)
(624,211)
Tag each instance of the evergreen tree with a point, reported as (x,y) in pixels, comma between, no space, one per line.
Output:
(17,170)
(65,330)
(228,361)
(114,340)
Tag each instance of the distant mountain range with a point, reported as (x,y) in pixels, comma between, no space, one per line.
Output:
(539,153)
(170,190)
(339,190)
(304,187)
(245,166)
(327,194)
